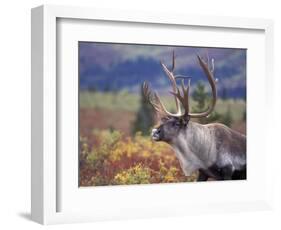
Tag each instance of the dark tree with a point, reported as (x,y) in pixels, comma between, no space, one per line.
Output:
(227,117)
(244,115)
(201,98)
(145,117)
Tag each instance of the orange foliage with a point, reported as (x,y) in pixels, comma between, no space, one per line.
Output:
(114,159)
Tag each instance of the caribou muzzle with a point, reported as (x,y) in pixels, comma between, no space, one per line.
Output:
(156,134)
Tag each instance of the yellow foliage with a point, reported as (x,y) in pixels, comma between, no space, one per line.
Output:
(134,175)
(171,175)
(115,159)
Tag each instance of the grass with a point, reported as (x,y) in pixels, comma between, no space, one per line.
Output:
(131,102)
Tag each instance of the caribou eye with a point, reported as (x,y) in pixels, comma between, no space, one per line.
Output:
(181,123)
(178,123)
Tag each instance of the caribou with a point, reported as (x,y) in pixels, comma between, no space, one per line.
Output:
(214,150)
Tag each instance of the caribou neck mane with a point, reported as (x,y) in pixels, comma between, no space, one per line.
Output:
(193,147)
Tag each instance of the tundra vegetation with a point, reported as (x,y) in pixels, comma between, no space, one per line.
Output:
(115,142)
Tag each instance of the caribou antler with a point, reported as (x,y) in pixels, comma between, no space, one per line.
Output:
(150,97)
(155,101)
(209,73)
(172,78)
(182,97)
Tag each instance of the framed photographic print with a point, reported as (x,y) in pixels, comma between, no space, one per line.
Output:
(140,115)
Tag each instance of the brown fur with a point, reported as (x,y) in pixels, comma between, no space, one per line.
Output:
(227,138)
(214,149)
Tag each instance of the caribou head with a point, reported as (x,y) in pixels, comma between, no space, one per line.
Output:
(172,123)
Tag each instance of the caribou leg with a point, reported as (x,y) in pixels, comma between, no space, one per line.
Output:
(239,175)
(226,173)
(202,176)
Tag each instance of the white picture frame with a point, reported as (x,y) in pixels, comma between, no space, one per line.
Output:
(47,176)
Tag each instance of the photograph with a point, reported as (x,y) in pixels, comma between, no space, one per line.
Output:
(153,113)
